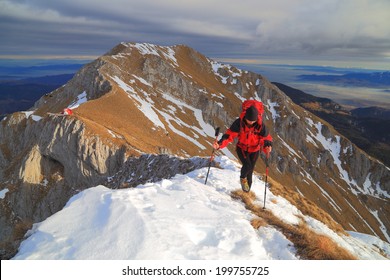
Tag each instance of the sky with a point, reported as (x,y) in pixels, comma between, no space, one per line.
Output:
(345,33)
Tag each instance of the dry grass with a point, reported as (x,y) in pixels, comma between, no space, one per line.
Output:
(309,245)
(258,223)
(306,206)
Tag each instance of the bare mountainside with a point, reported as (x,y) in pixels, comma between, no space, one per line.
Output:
(142,103)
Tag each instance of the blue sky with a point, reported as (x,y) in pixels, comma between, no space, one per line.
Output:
(342,33)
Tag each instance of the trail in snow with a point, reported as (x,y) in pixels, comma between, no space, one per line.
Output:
(179,218)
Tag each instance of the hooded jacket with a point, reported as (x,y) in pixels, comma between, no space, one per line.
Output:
(251,138)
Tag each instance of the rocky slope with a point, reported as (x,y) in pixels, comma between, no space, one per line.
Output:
(368,128)
(139,100)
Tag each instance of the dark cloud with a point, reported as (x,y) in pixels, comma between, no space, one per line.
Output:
(349,29)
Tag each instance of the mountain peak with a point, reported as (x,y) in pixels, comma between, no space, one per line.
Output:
(144,99)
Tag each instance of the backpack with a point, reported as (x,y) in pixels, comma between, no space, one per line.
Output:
(248,137)
(67,111)
(257,104)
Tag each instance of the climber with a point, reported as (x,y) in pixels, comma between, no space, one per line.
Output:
(252,136)
(67,111)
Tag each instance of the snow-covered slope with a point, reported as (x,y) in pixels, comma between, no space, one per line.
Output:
(179,218)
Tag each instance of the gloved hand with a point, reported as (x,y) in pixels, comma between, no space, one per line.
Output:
(267,151)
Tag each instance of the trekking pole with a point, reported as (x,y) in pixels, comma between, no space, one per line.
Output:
(212,154)
(266,176)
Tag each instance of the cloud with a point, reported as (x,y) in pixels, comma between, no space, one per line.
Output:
(326,26)
(299,28)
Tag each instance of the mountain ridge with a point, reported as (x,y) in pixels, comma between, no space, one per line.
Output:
(146,99)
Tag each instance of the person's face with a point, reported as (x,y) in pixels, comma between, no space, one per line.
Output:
(250,122)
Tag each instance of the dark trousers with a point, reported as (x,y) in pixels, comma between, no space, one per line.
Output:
(248,161)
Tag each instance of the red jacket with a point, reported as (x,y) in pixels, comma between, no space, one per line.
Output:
(250,138)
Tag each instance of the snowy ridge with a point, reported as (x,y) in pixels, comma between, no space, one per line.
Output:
(179,218)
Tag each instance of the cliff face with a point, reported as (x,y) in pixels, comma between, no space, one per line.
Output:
(140,101)
(45,162)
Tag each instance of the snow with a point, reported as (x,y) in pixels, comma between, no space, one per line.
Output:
(168,114)
(309,139)
(30,114)
(150,49)
(217,65)
(2,193)
(382,227)
(271,107)
(370,241)
(145,48)
(291,150)
(335,149)
(145,106)
(142,80)
(36,118)
(205,129)
(81,98)
(179,218)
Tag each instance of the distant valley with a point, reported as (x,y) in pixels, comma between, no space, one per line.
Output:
(368,128)
(20,95)
(23,82)
(349,87)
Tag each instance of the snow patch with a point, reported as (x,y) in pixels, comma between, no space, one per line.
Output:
(3,193)
(150,49)
(81,98)
(224,79)
(145,106)
(271,107)
(30,114)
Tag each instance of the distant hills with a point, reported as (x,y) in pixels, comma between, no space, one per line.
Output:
(375,79)
(371,112)
(23,84)
(9,71)
(20,95)
(368,128)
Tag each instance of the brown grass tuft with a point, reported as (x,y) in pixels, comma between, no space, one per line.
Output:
(309,244)
(258,223)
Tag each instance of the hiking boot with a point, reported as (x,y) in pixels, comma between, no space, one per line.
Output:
(244,185)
